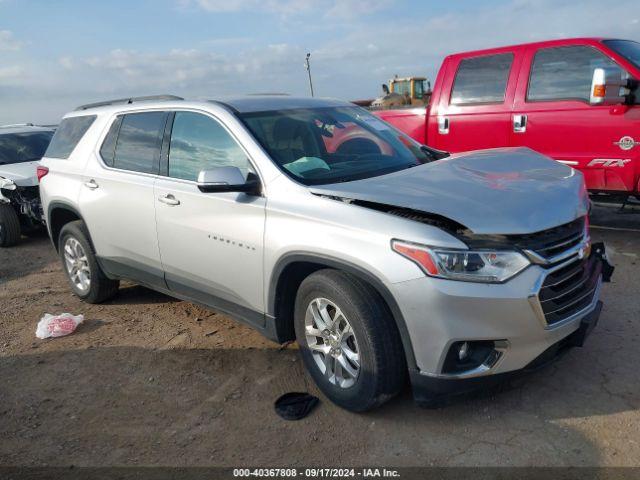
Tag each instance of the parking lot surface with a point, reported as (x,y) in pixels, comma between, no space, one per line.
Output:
(150,380)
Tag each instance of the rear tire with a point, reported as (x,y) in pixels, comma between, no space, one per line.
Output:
(86,278)
(379,364)
(9,226)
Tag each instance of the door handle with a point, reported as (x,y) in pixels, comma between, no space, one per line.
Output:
(92,184)
(169,200)
(519,123)
(443,125)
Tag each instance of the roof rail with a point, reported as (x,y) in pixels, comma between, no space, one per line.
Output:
(269,94)
(129,100)
(17,125)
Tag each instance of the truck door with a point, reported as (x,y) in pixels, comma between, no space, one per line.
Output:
(552,115)
(474,108)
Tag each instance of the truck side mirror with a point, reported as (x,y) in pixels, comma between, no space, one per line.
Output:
(385,89)
(606,87)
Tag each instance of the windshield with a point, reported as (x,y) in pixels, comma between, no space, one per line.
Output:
(23,147)
(419,88)
(626,48)
(401,87)
(329,145)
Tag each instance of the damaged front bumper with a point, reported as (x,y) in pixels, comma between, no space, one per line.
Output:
(25,200)
(434,391)
(499,321)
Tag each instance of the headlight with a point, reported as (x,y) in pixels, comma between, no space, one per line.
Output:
(467,265)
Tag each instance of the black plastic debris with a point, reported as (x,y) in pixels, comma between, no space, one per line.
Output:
(607,268)
(295,405)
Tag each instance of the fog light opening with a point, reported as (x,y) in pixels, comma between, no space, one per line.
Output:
(464,356)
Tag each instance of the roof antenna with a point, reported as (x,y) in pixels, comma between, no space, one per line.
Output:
(307,65)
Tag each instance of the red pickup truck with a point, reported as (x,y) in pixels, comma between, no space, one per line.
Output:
(575,100)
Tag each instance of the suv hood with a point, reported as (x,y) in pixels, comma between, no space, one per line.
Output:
(22,174)
(499,191)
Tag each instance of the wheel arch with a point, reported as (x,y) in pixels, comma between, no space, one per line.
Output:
(58,215)
(289,272)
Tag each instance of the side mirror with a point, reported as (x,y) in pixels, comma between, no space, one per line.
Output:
(385,89)
(606,85)
(227,179)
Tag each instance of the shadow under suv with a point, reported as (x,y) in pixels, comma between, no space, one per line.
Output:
(313,220)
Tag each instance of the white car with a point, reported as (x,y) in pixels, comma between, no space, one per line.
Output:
(21,148)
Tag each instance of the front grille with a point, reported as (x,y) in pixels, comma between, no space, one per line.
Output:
(571,280)
(569,289)
(554,241)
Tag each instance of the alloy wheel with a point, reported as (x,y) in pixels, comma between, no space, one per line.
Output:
(332,342)
(77,264)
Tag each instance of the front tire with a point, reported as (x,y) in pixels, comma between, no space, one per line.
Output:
(86,278)
(348,340)
(9,226)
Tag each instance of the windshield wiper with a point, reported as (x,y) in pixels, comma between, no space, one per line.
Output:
(373,173)
(433,153)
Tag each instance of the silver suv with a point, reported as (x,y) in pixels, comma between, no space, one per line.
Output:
(313,220)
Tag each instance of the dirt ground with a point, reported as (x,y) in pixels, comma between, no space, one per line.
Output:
(149,380)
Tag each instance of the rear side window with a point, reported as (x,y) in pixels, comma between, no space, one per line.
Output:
(482,80)
(108,149)
(69,133)
(565,73)
(139,142)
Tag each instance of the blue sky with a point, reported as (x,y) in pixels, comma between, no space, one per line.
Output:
(56,55)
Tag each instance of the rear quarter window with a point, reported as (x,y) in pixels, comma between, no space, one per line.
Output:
(69,133)
(108,148)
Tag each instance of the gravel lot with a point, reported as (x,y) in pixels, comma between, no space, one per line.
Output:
(149,380)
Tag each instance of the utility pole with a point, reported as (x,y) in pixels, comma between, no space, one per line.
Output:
(308,67)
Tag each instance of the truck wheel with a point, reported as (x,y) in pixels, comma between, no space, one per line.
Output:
(348,340)
(9,226)
(85,276)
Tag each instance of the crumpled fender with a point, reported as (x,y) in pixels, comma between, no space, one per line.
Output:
(6,184)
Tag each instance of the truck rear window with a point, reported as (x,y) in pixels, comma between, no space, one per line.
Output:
(67,136)
(482,79)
